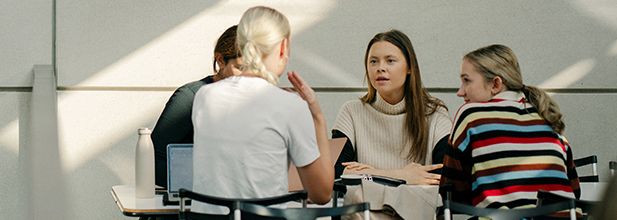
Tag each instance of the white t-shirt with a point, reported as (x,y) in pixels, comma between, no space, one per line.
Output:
(246,132)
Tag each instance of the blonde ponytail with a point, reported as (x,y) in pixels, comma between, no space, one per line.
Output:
(546,106)
(260,31)
(252,62)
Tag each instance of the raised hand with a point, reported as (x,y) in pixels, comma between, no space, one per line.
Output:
(303,89)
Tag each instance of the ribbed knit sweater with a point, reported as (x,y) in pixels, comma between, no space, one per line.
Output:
(377,132)
(504,152)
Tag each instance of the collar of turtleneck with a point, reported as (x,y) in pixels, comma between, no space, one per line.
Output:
(384,107)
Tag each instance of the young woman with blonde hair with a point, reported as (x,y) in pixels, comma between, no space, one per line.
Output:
(507,139)
(247,129)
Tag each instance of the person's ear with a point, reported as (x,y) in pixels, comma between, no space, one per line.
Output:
(284,51)
(220,61)
(498,85)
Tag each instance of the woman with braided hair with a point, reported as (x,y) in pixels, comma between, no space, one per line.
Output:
(247,129)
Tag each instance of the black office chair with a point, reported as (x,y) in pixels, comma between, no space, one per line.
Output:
(546,197)
(231,204)
(451,207)
(588,160)
(302,213)
(612,166)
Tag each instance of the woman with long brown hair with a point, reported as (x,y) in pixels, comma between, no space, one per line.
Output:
(397,129)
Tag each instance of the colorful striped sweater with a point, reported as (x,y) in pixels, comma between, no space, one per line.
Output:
(503,152)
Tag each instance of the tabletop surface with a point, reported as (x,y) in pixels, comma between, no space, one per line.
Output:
(124,196)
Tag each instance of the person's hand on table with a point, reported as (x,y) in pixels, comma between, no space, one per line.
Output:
(355,167)
(417,174)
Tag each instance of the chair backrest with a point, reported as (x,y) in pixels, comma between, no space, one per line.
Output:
(547,197)
(588,160)
(303,213)
(503,214)
(230,203)
(507,214)
(612,166)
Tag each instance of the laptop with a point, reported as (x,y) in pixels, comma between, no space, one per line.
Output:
(336,146)
(179,169)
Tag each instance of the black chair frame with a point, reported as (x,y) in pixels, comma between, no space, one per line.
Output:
(303,213)
(231,203)
(546,197)
(588,160)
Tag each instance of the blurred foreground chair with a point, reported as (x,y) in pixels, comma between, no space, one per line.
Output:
(612,166)
(451,207)
(231,204)
(302,213)
(586,207)
(588,160)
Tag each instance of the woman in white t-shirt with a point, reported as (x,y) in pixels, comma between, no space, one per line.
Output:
(247,130)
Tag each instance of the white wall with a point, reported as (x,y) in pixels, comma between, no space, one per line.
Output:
(25,41)
(118,62)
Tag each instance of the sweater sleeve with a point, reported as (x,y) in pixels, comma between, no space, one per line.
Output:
(456,172)
(348,154)
(572,174)
(344,123)
(440,125)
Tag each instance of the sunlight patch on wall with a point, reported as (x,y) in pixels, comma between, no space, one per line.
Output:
(9,137)
(187,48)
(92,122)
(327,68)
(612,49)
(569,75)
(604,11)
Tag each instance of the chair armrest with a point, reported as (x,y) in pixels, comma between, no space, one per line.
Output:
(586,160)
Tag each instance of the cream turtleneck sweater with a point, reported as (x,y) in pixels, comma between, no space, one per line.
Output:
(376,131)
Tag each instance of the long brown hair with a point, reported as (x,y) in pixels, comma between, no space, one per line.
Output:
(500,61)
(419,104)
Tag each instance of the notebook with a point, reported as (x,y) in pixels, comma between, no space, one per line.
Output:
(336,146)
(179,169)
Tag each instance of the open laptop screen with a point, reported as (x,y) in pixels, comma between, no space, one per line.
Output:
(179,167)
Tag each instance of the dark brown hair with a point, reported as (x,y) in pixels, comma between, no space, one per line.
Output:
(419,104)
(226,46)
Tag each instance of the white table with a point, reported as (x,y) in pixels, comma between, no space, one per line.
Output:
(593,191)
(124,197)
(409,201)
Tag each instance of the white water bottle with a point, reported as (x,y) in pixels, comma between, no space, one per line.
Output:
(144,165)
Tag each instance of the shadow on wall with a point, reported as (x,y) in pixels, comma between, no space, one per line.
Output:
(106,32)
(548,37)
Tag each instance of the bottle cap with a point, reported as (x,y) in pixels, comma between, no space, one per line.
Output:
(144,131)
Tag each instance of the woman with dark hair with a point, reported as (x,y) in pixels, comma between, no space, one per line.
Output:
(174,125)
(506,139)
(397,129)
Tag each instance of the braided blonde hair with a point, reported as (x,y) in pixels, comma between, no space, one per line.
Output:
(260,30)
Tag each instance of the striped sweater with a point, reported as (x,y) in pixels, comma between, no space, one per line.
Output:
(503,152)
